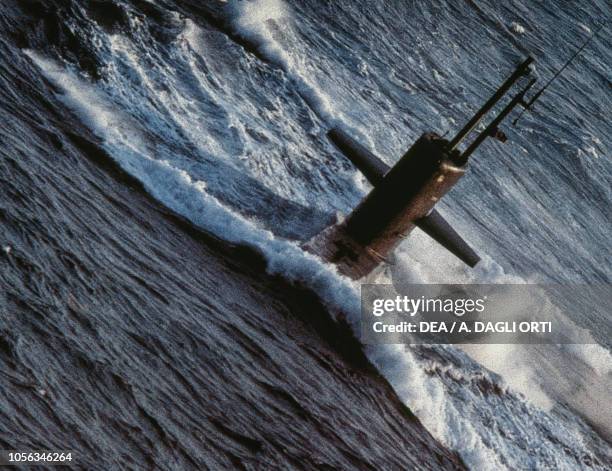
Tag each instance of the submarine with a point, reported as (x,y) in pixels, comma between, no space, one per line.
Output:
(404,196)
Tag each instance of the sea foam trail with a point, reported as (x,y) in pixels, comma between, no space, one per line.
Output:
(178,191)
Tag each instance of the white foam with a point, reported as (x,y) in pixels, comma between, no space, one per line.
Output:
(270,144)
(514,362)
(266,24)
(594,355)
(517,27)
(428,399)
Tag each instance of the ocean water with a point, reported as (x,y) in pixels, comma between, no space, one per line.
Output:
(220,111)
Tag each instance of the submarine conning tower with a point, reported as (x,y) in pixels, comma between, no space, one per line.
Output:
(404,196)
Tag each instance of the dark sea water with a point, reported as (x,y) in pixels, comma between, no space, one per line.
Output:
(162,160)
